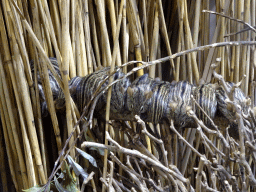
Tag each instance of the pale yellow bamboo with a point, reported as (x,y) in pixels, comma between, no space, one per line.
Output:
(180,39)
(253,55)
(183,68)
(73,25)
(140,31)
(197,12)
(65,49)
(155,36)
(110,4)
(45,13)
(84,68)
(87,37)
(207,73)
(124,59)
(48,92)
(94,34)
(246,59)
(134,34)
(72,67)
(29,115)
(8,147)
(239,14)
(6,125)
(78,48)
(38,118)
(107,52)
(189,43)
(27,149)
(221,39)
(56,20)
(9,116)
(150,21)
(17,29)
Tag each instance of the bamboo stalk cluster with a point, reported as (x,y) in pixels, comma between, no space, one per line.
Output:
(85,35)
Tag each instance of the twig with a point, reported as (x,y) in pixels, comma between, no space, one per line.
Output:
(87,180)
(231,18)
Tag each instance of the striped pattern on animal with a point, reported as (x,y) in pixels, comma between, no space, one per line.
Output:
(153,100)
(89,84)
(205,95)
(53,83)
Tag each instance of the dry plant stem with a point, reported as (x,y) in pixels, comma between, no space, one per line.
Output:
(64,68)
(217,132)
(131,13)
(8,147)
(87,36)
(29,115)
(163,28)
(140,176)
(145,29)
(227,186)
(189,44)
(117,188)
(106,44)
(199,174)
(206,77)
(187,152)
(144,130)
(231,18)
(45,13)
(209,131)
(154,43)
(2,165)
(90,177)
(27,148)
(138,154)
(39,121)
(43,54)
(180,137)
(196,22)
(47,90)
(94,33)
(13,129)
(110,175)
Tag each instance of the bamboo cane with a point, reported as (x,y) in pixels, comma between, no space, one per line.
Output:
(12,131)
(65,49)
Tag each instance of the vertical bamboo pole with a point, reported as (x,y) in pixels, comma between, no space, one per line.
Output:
(106,44)
(87,37)
(253,54)
(145,18)
(64,68)
(196,22)
(189,43)
(207,73)
(240,5)
(11,158)
(246,49)
(155,36)
(180,38)
(12,132)
(112,13)
(134,34)
(3,163)
(94,33)
(29,115)
(84,68)
(163,29)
